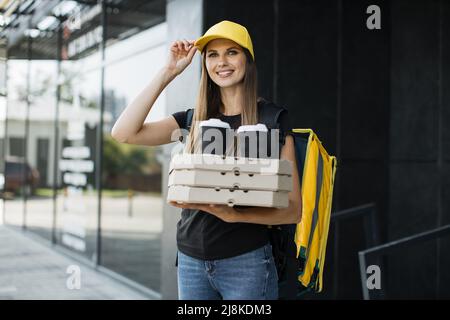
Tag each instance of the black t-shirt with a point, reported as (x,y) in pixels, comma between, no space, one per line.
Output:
(204,236)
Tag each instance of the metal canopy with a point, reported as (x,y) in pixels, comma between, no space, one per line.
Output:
(124,18)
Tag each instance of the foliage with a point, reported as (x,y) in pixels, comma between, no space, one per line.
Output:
(127,159)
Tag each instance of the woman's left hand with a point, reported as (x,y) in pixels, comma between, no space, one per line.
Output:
(221,211)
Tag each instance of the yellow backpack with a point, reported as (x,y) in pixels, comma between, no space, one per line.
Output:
(317,171)
(299,249)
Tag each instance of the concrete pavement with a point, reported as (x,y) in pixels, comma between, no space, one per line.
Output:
(31,270)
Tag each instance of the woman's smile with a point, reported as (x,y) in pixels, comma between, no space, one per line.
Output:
(224,73)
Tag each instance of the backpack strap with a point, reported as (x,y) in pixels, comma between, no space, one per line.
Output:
(189,116)
(269,114)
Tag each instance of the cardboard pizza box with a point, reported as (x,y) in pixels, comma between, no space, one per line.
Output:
(230,180)
(234,164)
(228,196)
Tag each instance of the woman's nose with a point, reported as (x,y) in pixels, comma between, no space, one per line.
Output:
(222,61)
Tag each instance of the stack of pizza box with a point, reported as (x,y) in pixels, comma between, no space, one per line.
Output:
(216,179)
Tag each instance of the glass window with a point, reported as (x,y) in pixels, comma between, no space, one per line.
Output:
(16,176)
(78,124)
(53,143)
(131,197)
(40,146)
(3,62)
(77,196)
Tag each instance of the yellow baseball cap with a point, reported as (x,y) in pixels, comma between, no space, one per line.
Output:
(228,30)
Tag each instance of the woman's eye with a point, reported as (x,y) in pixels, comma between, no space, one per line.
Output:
(233,52)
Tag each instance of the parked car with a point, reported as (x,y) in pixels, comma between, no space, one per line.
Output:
(19,175)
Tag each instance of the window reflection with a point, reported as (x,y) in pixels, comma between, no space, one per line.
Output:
(51,140)
(78,125)
(16,168)
(2,152)
(131,197)
(79,114)
(40,146)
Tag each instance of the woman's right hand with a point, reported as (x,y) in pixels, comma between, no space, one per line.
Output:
(180,56)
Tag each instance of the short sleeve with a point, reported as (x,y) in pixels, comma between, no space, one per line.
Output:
(180,117)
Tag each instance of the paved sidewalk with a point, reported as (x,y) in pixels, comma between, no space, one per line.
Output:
(31,270)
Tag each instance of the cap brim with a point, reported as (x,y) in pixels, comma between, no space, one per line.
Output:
(201,42)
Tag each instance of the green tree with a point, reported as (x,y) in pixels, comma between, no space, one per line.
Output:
(113,157)
(119,158)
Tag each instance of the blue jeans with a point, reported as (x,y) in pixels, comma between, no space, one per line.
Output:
(252,275)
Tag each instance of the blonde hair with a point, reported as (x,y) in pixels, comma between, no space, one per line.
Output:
(209,101)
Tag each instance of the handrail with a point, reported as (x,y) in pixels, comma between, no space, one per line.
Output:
(395,245)
(347,213)
(419,237)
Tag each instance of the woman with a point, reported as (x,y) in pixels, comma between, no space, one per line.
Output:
(223,252)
